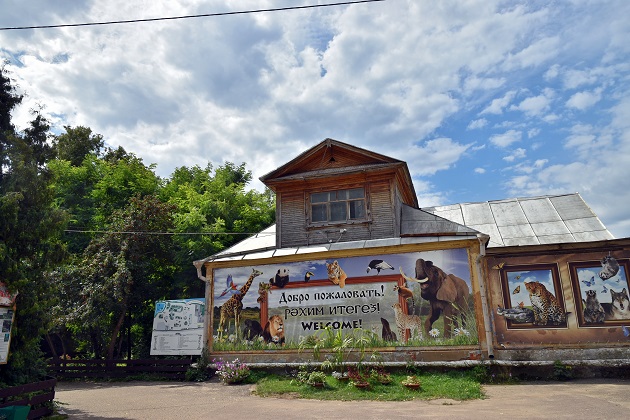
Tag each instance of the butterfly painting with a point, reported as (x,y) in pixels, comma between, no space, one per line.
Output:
(498,266)
(590,282)
(518,277)
(605,289)
(521,305)
(626,331)
(517,290)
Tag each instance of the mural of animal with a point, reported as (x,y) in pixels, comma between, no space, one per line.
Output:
(519,315)
(547,309)
(308,275)
(407,322)
(610,268)
(378,265)
(618,307)
(387,334)
(263,290)
(406,293)
(593,310)
(252,329)
(234,305)
(336,274)
(281,279)
(274,330)
(446,293)
(230,287)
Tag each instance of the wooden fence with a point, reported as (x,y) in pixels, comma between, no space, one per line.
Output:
(39,395)
(174,369)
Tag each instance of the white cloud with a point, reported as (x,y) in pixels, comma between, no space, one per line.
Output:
(434,155)
(499,104)
(478,123)
(585,99)
(516,154)
(535,105)
(480,171)
(507,138)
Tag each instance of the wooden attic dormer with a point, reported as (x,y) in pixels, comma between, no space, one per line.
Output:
(336,192)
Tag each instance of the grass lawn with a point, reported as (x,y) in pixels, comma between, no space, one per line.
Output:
(452,385)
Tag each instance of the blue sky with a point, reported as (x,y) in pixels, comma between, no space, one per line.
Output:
(483,99)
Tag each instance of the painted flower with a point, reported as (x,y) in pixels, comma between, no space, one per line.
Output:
(435,333)
(459,332)
(232,338)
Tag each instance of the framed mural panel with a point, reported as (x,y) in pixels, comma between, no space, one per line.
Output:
(601,289)
(288,305)
(532,296)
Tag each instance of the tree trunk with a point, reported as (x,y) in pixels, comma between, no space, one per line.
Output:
(116,332)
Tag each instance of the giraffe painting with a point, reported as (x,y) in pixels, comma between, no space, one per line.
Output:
(234,305)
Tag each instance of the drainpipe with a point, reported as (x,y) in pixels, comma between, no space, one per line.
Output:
(198,265)
(483,238)
(207,337)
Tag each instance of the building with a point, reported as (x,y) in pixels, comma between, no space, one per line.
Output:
(521,279)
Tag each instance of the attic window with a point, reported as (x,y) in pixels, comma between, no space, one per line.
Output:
(338,206)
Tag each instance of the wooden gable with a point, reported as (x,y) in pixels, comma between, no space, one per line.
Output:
(332,159)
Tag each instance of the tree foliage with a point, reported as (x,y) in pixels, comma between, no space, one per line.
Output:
(91,237)
(30,232)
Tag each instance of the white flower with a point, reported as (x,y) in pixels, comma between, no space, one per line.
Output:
(232,338)
(434,333)
(261,338)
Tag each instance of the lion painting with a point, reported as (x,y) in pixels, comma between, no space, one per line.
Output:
(274,330)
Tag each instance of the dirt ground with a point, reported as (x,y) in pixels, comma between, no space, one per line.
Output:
(577,399)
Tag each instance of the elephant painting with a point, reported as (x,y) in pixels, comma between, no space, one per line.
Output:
(446,294)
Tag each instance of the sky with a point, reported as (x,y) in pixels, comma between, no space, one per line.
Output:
(484,99)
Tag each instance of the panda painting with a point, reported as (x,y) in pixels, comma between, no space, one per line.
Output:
(281,279)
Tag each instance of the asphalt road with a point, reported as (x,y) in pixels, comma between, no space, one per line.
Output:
(577,399)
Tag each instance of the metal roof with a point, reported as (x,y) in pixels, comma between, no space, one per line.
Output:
(510,222)
(529,221)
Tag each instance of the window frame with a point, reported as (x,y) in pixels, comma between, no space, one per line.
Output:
(348,210)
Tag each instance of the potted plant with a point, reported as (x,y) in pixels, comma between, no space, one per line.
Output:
(380,375)
(357,379)
(316,379)
(231,372)
(412,382)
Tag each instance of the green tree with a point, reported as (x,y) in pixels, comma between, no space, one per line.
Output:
(120,274)
(211,208)
(76,144)
(30,231)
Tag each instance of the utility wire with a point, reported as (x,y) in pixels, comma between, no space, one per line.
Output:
(242,12)
(165,233)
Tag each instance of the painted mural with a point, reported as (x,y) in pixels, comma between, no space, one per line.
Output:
(413,299)
(602,290)
(532,296)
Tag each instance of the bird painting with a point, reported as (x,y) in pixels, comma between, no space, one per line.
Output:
(230,287)
(308,276)
(378,265)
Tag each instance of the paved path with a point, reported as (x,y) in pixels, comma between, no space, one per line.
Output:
(579,399)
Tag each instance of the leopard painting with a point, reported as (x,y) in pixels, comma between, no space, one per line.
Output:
(407,322)
(547,309)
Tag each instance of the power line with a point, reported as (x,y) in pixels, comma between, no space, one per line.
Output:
(242,12)
(110,232)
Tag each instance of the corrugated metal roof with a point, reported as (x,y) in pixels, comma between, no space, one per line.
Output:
(510,222)
(529,221)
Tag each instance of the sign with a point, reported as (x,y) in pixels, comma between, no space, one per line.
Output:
(278,306)
(178,327)
(6,321)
